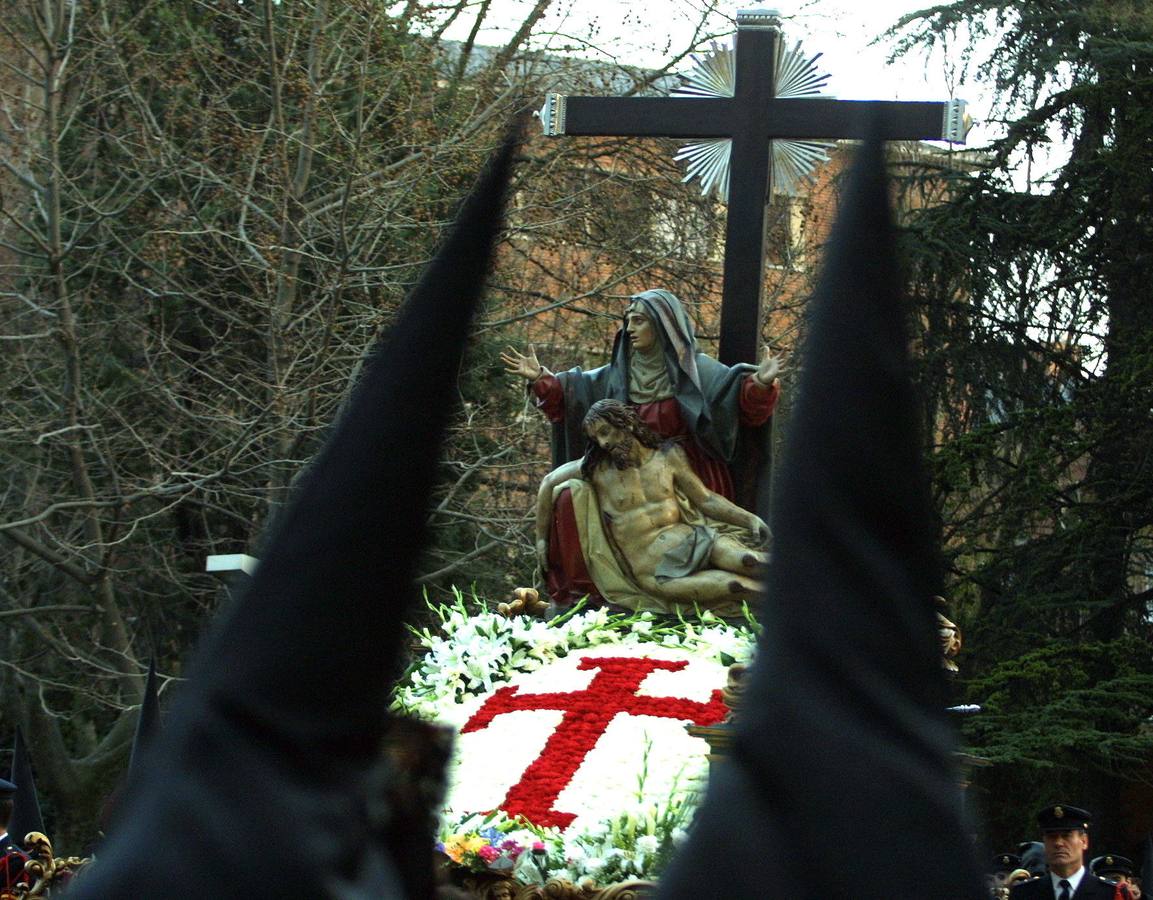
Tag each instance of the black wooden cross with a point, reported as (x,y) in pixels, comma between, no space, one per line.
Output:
(752,117)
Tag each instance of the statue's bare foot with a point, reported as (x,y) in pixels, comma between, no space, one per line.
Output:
(756,566)
(523,601)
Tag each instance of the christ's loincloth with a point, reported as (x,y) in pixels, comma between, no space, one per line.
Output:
(689,556)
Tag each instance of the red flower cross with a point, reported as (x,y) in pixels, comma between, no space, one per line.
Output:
(587,714)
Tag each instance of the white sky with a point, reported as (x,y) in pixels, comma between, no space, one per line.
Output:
(647,32)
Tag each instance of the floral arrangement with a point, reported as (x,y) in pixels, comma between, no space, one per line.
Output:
(472,649)
(637,843)
(633,844)
(483,847)
(548,780)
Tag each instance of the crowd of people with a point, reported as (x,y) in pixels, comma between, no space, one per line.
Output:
(1059,867)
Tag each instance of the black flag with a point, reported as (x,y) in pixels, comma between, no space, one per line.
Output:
(25,802)
(839,782)
(261,783)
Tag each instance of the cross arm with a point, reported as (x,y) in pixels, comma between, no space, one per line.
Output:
(683,117)
(695,117)
(849,119)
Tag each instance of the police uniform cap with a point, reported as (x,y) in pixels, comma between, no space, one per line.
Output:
(7,789)
(1063,817)
(1111,864)
(1006,862)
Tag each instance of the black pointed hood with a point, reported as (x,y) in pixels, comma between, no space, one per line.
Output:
(25,802)
(260,784)
(843,735)
(148,725)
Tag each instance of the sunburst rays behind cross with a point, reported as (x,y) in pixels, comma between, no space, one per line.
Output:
(715,75)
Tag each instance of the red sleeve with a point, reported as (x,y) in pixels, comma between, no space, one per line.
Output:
(757,401)
(549,396)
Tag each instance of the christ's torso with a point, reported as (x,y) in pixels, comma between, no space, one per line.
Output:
(641,511)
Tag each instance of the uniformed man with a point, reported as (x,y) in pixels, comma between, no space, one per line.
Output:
(1118,869)
(12,858)
(1003,865)
(1065,834)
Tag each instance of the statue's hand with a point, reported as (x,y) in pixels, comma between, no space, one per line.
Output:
(542,553)
(761,530)
(769,368)
(526,365)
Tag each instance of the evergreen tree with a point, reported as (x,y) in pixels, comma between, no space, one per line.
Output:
(1035,323)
